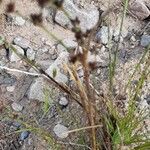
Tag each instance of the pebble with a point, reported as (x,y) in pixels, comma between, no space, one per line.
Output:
(88,16)
(36,90)
(17,107)
(58,65)
(16,124)
(10,88)
(19,21)
(60,130)
(63,101)
(139,9)
(24,135)
(22,42)
(148,99)
(145,40)
(102,35)
(30,54)
(14,57)
(132,39)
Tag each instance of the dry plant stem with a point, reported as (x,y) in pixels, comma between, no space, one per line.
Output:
(49,78)
(88,106)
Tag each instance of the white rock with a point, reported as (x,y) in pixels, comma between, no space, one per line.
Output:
(60,131)
(22,42)
(88,17)
(30,53)
(19,21)
(14,57)
(58,66)
(63,101)
(103,34)
(17,107)
(69,43)
(10,88)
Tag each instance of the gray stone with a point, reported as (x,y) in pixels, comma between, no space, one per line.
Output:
(102,35)
(63,101)
(37,90)
(145,40)
(22,42)
(58,66)
(14,57)
(102,60)
(139,9)
(62,19)
(60,131)
(17,107)
(148,99)
(10,88)
(88,17)
(19,21)
(24,135)
(30,53)
(6,78)
(69,43)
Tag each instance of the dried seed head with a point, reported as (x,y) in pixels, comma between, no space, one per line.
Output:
(36,19)
(58,3)
(92,65)
(75,22)
(10,7)
(42,3)
(73,58)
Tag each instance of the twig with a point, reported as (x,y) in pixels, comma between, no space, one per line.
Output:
(80,129)
(74,144)
(19,71)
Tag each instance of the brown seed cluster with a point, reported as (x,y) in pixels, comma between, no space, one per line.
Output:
(58,3)
(36,19)
(42,3)
(10,7)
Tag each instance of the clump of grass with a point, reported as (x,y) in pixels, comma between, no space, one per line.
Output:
(107,127)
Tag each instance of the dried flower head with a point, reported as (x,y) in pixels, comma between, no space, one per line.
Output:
(42,3)
(92,65)
(10,7)
(36,19)
(58,3)
(73,58)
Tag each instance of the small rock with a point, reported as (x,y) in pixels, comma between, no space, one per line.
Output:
(145,40)
(139,9)
(88,16)
(148,99)
(69,43)
(16,124)
(54,56)
(14,57)
(17,107)
(30,54)
(132,39)
(60,131)
(19,21)
(6,78)
(58,66)
(22,42)
(102,35)
(63,101)
(37,90)
(10,88)
(24,135)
